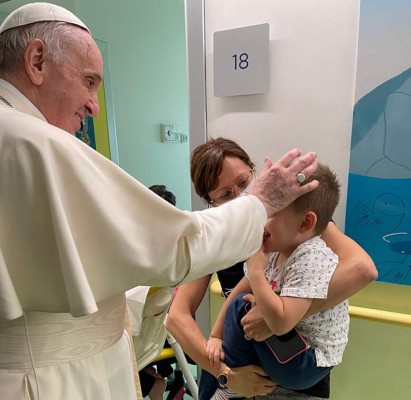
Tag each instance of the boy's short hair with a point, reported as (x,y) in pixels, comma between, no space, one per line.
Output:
(323,200)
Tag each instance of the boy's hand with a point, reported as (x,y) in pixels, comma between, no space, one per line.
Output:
(251,299)
(215,351)
(253,322)
(257,263)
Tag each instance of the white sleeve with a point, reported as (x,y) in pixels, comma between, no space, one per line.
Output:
(228,234)
(77,229)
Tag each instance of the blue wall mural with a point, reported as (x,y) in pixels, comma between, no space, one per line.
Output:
(379,191)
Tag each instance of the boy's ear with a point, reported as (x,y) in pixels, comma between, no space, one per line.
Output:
(309,221)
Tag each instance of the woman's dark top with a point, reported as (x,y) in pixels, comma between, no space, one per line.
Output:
(228,279)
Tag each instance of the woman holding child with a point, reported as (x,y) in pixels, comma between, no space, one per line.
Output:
(220,171)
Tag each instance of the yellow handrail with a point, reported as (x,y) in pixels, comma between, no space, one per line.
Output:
(355,311)
(380,315)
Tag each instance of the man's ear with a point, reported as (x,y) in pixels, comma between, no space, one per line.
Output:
(309,221)
(34,58)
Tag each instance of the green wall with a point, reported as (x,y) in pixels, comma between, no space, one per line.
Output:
(12,5)
(146,46)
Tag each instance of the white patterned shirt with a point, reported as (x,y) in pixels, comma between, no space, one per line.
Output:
(307,273)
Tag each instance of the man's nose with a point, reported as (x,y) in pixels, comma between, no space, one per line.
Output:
(93,106)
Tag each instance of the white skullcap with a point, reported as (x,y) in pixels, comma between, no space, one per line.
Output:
(39,12)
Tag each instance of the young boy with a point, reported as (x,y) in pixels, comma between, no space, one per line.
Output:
(283,287)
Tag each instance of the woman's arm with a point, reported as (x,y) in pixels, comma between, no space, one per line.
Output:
(181,323)
(249,380)
(355,269)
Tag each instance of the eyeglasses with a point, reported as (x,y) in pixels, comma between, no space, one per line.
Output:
(244,182)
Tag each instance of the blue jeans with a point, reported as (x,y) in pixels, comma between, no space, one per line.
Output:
(299,373)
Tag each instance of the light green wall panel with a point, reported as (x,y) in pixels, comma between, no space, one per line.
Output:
(13,4)
(146,47)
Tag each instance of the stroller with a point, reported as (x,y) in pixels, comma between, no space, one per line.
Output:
(155,346)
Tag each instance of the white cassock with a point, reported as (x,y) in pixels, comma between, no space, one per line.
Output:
(76,232)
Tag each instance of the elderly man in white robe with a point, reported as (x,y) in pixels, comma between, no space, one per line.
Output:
(76,231)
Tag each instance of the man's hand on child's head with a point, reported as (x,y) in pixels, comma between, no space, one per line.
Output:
(215,351)
(277,186)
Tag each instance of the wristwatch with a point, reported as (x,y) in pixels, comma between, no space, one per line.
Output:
(223,378)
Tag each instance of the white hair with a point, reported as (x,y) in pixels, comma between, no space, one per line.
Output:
(57,36)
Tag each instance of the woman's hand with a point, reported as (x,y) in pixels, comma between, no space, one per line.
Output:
(253,323)
(215,351)
(250,381)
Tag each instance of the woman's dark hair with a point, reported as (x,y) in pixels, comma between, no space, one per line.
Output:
(207,163)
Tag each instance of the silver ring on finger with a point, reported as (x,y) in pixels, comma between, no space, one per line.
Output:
(246,337)
(300,177)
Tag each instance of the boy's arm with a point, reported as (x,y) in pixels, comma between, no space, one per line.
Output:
(214,351)
(242,287)
(280,313)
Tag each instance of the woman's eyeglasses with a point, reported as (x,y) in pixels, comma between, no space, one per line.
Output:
(244,182)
